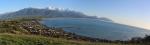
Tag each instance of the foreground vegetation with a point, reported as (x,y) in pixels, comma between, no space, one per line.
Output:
(17,39)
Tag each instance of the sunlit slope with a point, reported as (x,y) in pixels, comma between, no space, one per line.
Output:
(16,39)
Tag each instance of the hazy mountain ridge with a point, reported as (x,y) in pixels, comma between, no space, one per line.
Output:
(49,13)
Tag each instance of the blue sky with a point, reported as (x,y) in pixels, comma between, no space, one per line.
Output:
(130,12)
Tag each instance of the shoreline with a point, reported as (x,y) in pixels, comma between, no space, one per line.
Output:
(58,32)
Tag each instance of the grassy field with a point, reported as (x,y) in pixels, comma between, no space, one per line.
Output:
(17,39)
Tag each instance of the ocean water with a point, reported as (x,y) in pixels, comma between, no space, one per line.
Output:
(96,28)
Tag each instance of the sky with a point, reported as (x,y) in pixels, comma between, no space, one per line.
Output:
(129,12)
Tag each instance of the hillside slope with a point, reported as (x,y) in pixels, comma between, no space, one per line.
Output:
(48,13)
(17,39)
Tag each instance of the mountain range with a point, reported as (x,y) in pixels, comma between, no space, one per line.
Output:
(49,13)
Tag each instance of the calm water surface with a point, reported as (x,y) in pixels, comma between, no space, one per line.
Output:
(96,28)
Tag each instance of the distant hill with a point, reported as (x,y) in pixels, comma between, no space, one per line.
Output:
(49,13)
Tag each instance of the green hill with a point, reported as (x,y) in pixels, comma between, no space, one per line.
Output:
(17,39)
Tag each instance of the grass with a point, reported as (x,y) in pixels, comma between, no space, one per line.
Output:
(17,39)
